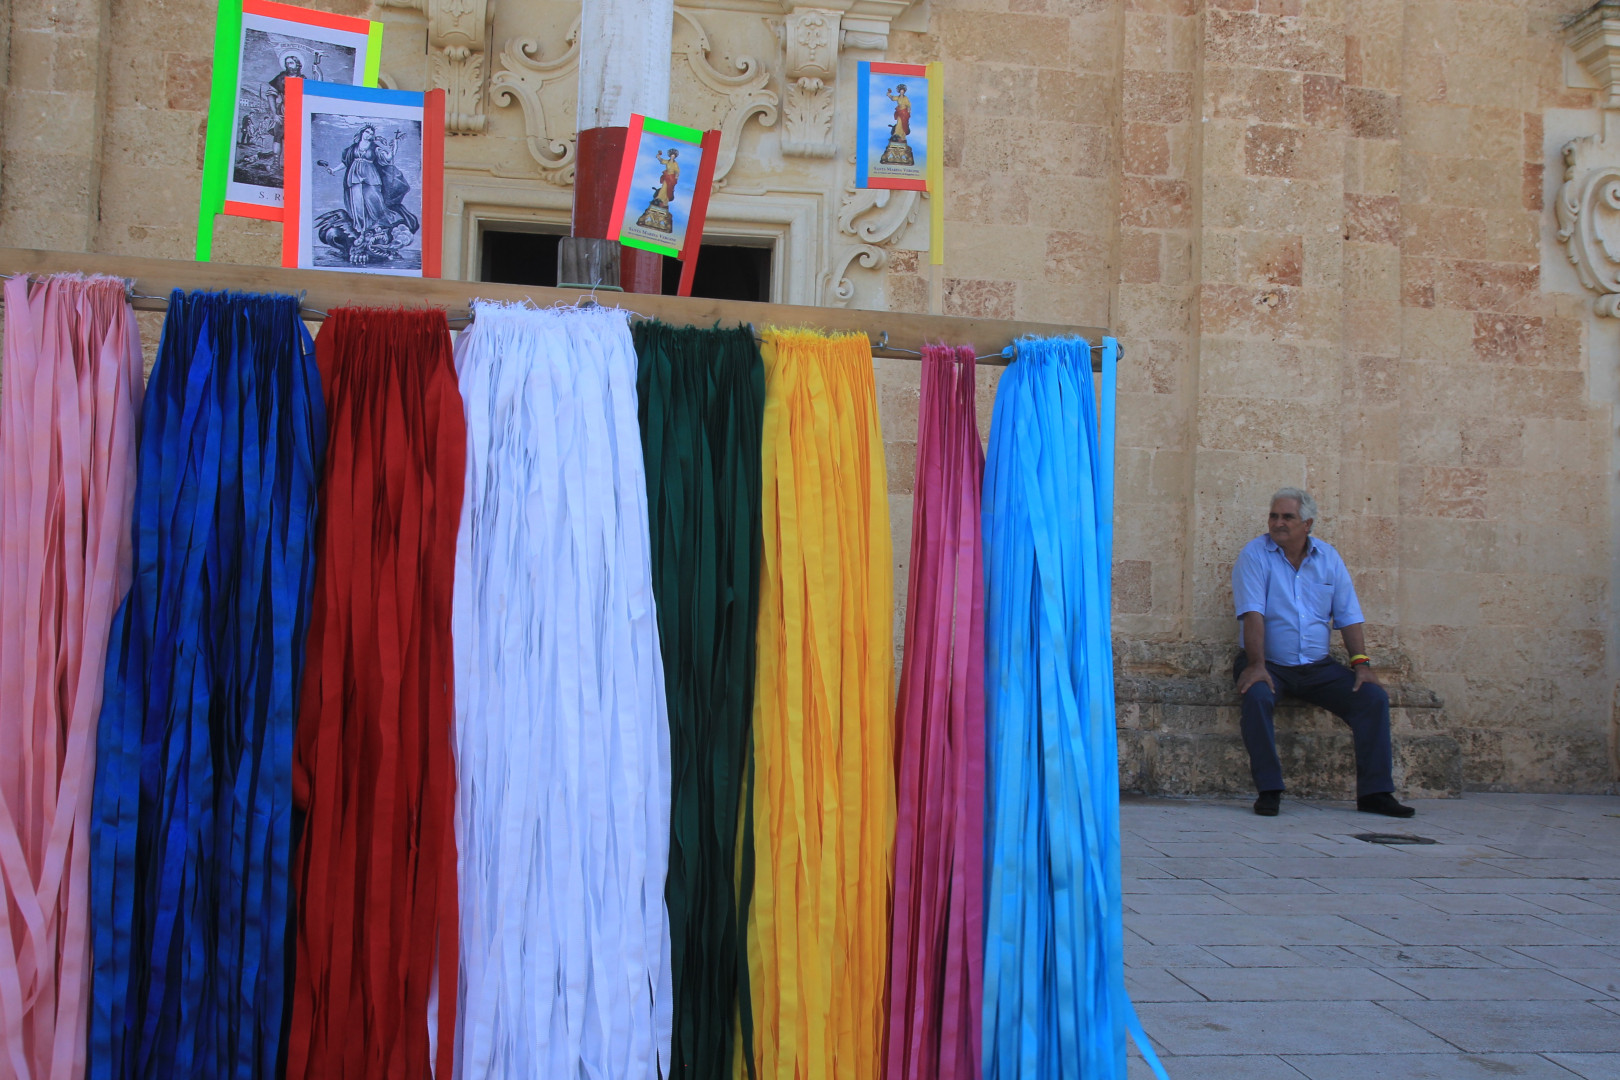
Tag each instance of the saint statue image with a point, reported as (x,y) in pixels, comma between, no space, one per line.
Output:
(898,152)
(657,215)
(374,191)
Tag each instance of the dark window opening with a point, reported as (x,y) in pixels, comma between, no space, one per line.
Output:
(724,271)
(519,258)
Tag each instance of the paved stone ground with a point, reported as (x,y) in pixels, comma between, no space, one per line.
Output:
(1262,948)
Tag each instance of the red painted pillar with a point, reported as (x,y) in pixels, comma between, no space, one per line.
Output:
(596,179)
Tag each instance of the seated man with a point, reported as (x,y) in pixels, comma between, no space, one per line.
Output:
(1291,589)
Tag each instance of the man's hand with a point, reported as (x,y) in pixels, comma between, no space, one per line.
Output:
(1364,674)
(1257,673)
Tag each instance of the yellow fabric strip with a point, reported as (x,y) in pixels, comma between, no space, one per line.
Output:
(936,164)
(823,796)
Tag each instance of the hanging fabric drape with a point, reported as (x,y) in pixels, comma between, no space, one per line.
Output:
(193,796)
(702,399)
(1054,995)
(68,420)
(936,955)
(820,817)
(374,766)
(562,742)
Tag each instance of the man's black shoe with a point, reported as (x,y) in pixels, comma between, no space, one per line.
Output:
(1268,802)
(1382,802)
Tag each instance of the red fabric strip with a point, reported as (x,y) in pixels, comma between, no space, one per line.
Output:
(374,761)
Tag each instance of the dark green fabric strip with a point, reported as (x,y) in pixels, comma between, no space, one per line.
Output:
(701,397)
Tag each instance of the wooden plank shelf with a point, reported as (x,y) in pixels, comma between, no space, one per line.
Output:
(892,332)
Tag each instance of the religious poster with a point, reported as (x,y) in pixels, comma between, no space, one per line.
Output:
(260,45)
(664,183)
(900,136)
(894,122)
(364,179)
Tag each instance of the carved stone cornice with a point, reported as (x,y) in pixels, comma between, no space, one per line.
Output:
(1594,37)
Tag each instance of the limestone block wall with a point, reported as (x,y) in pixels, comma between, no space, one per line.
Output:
(1318,227)
(1323,259)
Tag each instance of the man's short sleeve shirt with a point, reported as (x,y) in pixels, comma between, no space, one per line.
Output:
(1301,607)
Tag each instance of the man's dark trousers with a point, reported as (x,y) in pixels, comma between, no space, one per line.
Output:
(1329,685)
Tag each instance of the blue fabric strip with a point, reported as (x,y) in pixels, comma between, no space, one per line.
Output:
(192,807)
(1054,1000)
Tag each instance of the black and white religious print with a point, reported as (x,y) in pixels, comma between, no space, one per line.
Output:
(274,50)
(364,193)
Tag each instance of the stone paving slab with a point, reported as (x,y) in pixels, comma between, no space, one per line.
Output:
(1288,948)
(1491,984)
(1480,929)
(1427,1067)
(1515,1026)
(1288,1027)
(1272,929)
(1302,984)
(1590,1066)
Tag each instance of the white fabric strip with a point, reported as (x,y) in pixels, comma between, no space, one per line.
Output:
(562,740)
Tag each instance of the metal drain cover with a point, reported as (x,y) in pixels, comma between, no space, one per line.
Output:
(1392,838)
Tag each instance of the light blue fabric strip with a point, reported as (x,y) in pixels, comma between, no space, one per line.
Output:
(1055,1004)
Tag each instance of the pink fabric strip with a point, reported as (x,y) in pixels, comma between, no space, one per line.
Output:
(69,405)
(937,947)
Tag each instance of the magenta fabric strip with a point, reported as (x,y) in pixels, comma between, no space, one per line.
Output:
(68,414)
(937,947)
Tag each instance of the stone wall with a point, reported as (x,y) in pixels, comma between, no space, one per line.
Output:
(1320,228)
(1324,263)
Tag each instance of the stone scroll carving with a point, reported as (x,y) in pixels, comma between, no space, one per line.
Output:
(744,93)
(810,63)
(1588,209)
(522,76)
(875,218)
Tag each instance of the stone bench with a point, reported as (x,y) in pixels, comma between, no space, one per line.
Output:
(1178,715)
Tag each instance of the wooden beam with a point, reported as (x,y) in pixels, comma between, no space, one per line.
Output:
(153,279)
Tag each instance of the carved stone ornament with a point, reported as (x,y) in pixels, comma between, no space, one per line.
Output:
(458,35)
(875,217)
(522,75)
(744,93)
(810,44)
(810,64)
(1588,209)
(1588,204)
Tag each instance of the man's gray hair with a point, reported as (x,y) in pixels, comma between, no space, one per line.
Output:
(1307,505)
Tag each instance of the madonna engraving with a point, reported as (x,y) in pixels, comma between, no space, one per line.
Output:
(366,191)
